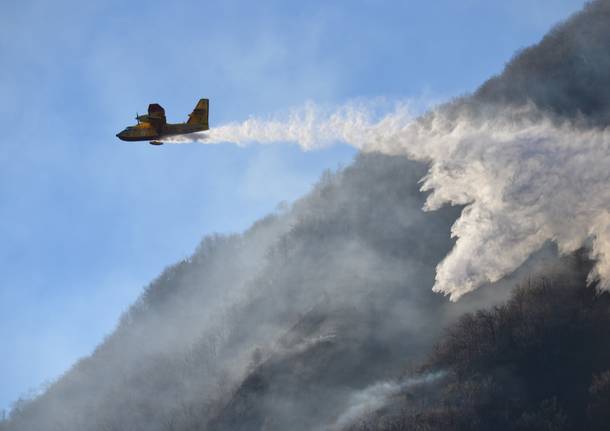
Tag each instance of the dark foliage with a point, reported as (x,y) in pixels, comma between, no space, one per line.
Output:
(538,362)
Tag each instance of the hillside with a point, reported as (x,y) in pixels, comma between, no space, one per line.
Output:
(358,253)
(538,362)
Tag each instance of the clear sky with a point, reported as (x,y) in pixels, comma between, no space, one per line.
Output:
(86,221)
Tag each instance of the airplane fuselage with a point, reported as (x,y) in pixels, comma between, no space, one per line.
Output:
(154,128)
(145,132)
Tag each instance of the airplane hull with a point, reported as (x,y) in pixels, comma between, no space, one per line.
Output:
(136,138)
(169,131)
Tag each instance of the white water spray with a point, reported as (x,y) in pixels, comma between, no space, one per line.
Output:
(523,182)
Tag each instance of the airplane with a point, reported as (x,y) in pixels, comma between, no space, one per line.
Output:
(153,127)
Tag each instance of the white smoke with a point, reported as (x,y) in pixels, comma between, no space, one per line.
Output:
(377,396)
(524,179)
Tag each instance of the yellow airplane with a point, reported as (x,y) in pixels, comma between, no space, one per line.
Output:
(153,127)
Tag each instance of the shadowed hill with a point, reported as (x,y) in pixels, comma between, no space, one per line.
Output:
(538,362)
(566,73)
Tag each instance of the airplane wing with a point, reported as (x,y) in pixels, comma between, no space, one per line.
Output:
(156,116)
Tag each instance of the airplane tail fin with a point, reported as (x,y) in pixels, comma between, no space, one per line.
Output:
(199,116)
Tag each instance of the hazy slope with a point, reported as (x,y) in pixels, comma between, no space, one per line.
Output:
(358,252)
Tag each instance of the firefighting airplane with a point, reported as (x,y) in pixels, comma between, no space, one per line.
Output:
(153,127)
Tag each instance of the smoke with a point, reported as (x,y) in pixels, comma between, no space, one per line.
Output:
(376,396)
(523,177)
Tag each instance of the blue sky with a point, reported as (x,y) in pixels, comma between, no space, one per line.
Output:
(86,221)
